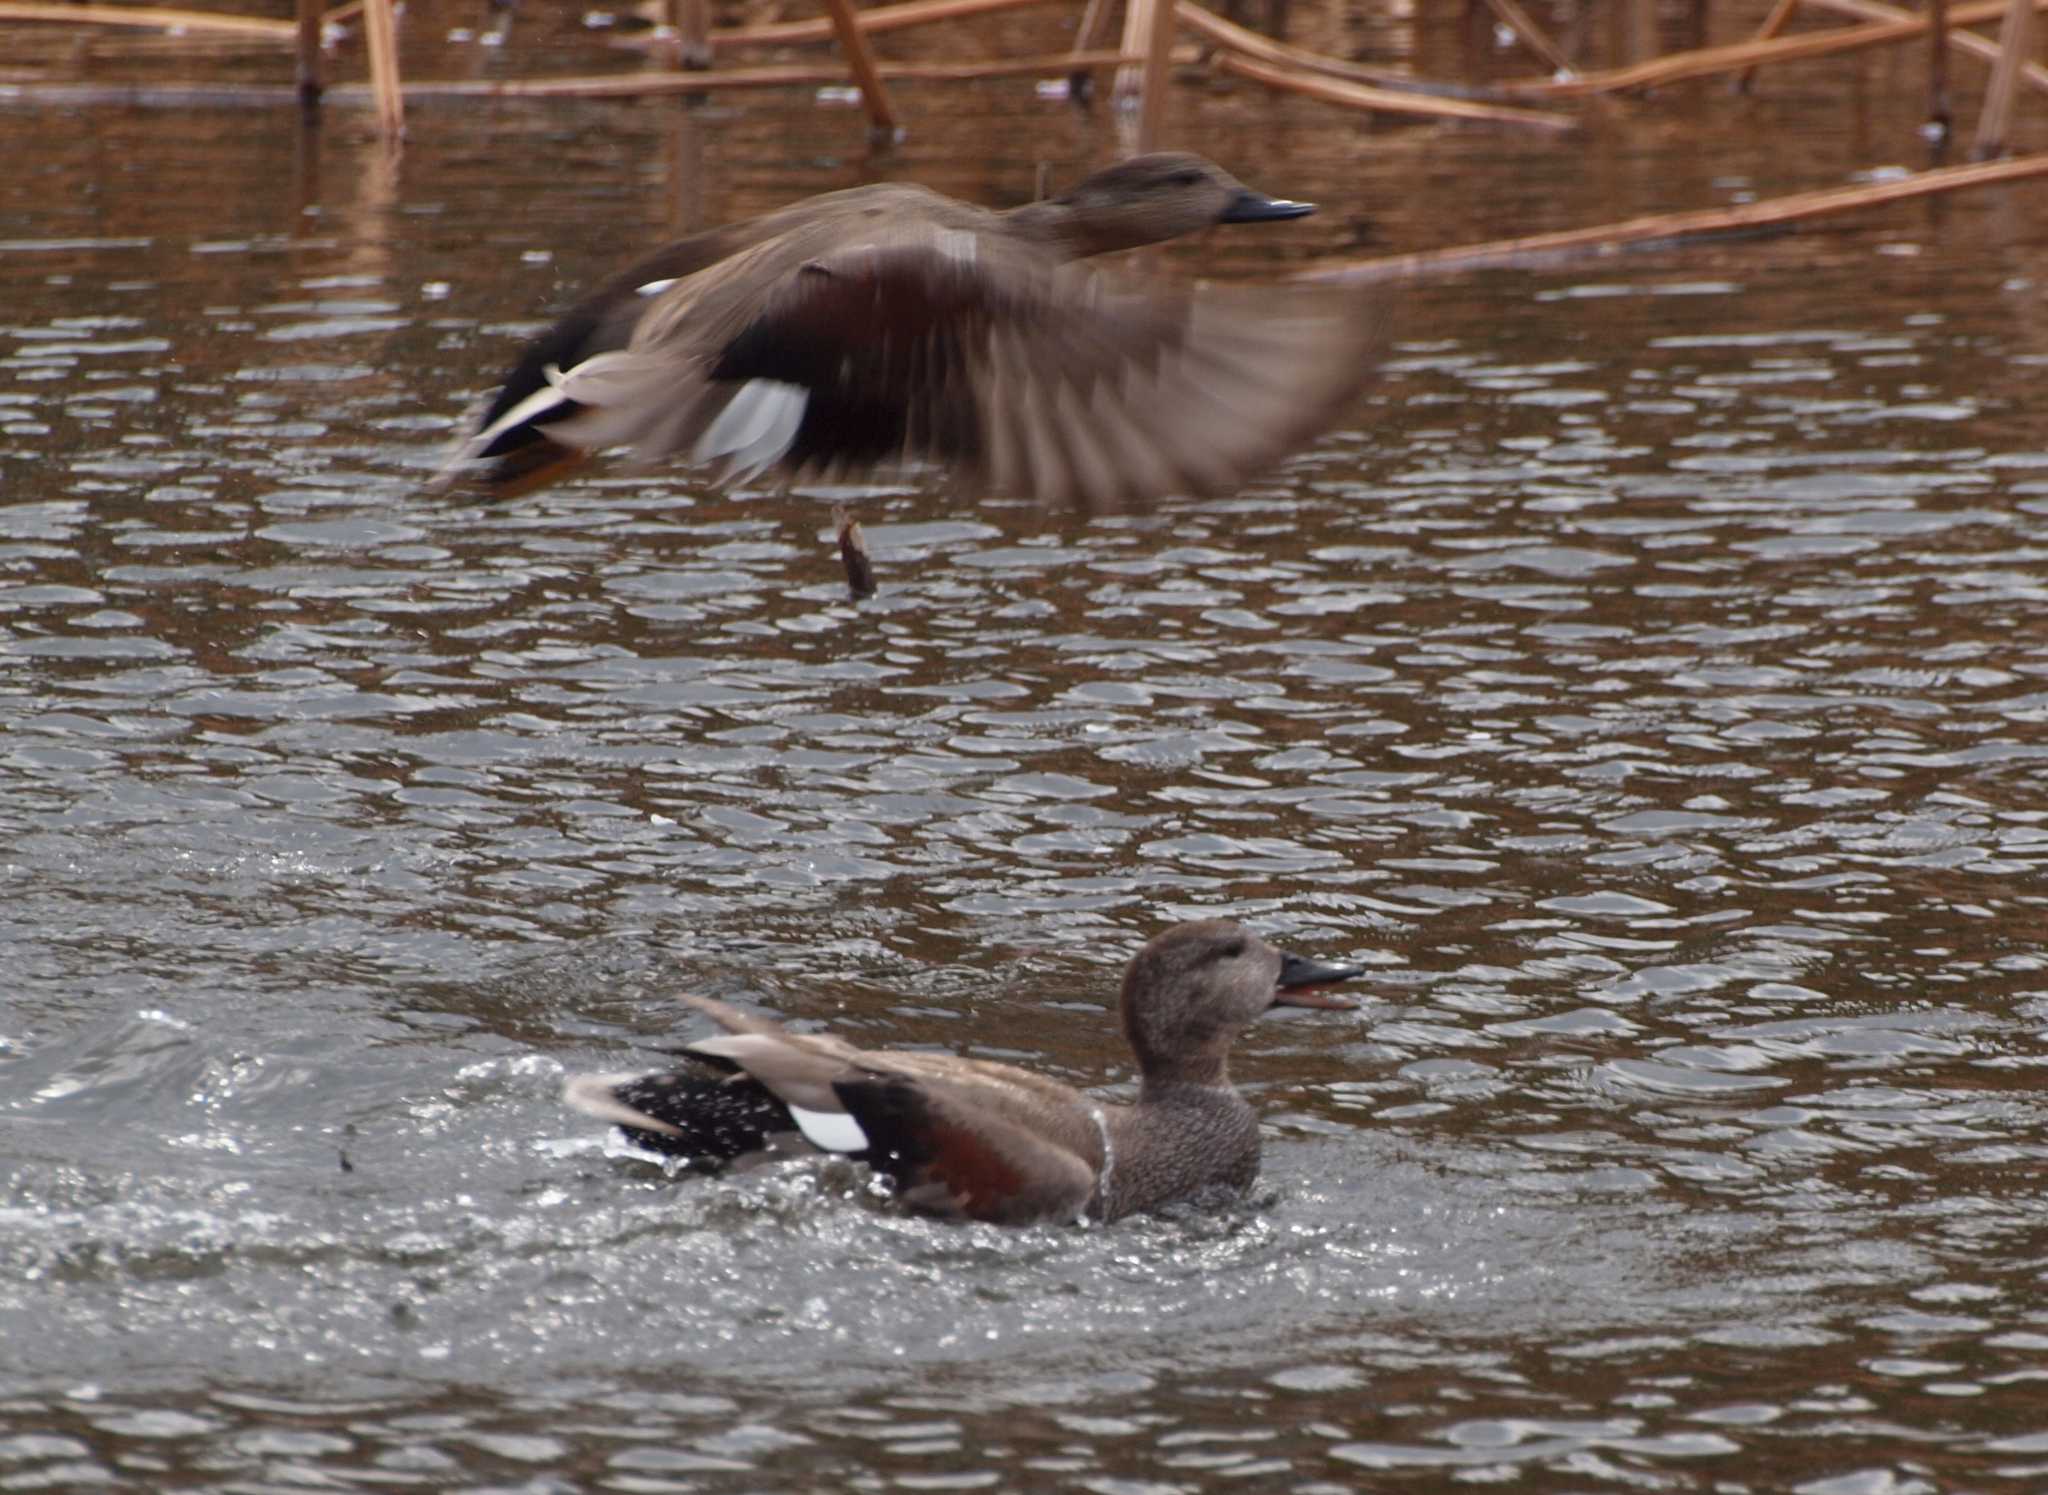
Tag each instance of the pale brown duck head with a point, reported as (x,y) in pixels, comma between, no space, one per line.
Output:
(1148,200)
(1191,991)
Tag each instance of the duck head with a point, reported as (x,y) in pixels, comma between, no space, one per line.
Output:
(1152,198)
(1193,989)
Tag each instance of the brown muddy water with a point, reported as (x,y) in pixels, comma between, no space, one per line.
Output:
(1649,683)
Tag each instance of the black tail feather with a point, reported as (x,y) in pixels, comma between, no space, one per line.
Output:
(719,1119)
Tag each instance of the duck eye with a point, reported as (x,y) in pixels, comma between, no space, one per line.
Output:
(1231,951)
(1186,179)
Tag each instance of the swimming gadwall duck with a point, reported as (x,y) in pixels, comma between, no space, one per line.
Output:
(888,324)
(969,1138)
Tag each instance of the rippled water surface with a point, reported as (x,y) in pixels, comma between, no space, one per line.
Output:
(1648,683)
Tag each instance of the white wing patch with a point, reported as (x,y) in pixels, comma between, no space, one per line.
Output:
(754,430)
(830,1131)
(957,245)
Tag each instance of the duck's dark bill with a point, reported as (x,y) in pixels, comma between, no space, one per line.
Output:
(1255,207)
(1299,977)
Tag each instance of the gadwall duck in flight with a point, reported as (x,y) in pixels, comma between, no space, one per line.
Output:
(973,1139)
(888,324)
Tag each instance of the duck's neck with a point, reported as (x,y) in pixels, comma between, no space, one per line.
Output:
(1072,235)
(1168,1079)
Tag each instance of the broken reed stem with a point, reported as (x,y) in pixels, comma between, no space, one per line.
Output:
(309,70)
(853,554)
(1206,23)
(1968,42)
(1387,101)
(1158,59)
(1938,113)
(1608,238)
(692,22)
(380,36)
(860,62)
(1137,38)
(1531,35)
(2015,37)
(1092,17)
(881,18)
(1711,60)
(1773,26)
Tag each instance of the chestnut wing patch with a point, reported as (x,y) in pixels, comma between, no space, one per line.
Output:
(945,1156)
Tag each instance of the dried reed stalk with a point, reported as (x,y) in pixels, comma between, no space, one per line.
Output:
(151,16)
(1747,55)
(1206,23)
(380,36)
(1093,14)
(1387,101)
(1531,35)
(792,75)
(881,18)
(860,61)
(310,25)
(2015,37)
(2032,73)
(1937,65)
(1137,37)
(1158,60)
(1608,238)
(692,22)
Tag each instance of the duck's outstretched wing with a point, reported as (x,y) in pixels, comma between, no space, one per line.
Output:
(508,430)
(507,444)
(951,1139)
(935,344)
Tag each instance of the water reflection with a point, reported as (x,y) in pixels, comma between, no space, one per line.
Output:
(1646,685)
